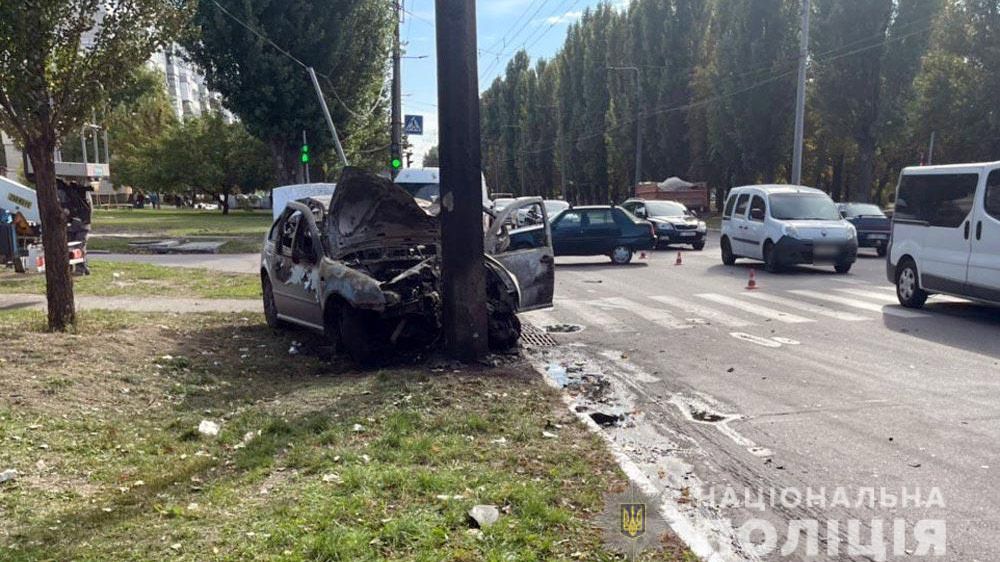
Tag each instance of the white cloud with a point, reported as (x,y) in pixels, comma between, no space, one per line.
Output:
(567,18)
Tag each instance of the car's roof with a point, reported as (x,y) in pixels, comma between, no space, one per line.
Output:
(951,168)
(779,188)
(418,175)
(593,208)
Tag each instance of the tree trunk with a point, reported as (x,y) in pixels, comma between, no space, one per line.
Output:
(866,164)
(283,173)
(58,280)
(225,201)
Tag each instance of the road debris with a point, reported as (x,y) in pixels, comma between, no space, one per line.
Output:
(8,475)
(484,515)
(208,428)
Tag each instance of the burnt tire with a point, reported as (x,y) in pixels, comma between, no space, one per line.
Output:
(505,330)
(357,336)
(882,251)
(728,257)
(270,308)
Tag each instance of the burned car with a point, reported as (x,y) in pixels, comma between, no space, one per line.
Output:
(362,267)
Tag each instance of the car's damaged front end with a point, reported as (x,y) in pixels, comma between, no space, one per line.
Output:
(379,274)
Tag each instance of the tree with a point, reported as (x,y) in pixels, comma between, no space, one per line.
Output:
(59,61)
(210,155)
(347,40)
(139,121)
(431,159)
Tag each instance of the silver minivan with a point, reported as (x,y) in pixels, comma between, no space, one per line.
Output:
(946,233)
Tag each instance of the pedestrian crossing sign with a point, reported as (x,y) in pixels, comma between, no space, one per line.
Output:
(413,124)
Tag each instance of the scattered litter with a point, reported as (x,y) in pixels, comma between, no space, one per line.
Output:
(8,475)
(484,515)
(208,428)
(606,420)
(295,348)
(731,369)
(563,328)
(358,428)
(549,435)
(332,478)
(176,546)
(500,441)
(446,497)
(558,374)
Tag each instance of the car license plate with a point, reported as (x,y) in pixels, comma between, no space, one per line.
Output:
(688,234)
(878,236)
(825,252)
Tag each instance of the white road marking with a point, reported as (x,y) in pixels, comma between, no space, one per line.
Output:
(806,307)
(863,305)
(702,311)
(657,316)
(541,319)
(764,311)
(591,317)
(874,295)
(763,342)
(787,341)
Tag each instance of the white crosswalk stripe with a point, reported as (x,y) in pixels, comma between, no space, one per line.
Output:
(592,317)
(702,311)
(806,307)
(764,311)
(863,305)
(874,295)
(657,316)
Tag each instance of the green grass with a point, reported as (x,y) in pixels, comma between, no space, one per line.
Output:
(181,222)
(112,466)
(137,280)
(114,230)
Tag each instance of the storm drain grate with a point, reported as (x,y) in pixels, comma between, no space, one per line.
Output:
(532,336)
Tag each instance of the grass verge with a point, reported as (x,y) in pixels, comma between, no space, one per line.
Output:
(114,230)
(313,462)
(139,280)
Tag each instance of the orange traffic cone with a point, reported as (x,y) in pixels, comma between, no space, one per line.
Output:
(679,260)
(752,283)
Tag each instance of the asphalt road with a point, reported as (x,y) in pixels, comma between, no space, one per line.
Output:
(815,381)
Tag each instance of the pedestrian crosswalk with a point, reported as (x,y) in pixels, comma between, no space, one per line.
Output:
(738,310)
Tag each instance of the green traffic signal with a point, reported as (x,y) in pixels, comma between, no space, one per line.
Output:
(397,163)
(305,154)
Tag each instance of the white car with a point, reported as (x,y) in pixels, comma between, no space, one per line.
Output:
(946,233)
(784,225)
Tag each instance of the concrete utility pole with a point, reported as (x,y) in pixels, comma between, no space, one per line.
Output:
(930,150)
(396,146)
(638,122)
(305,159)
(329,119)
(800,100)
(462,261)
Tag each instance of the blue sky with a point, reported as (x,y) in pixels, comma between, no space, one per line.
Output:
(505,26)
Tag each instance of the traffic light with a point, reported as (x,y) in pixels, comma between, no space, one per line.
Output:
(305,153)
(397,163)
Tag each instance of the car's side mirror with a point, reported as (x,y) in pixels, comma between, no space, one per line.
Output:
(640,212)
(843,214)
(694,214)
(757,214)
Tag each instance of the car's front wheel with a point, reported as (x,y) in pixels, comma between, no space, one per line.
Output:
(698,246)
(270,308)
(843,268)
(728,257)
(356,335)
(770,258)
(621,255)
(908,289)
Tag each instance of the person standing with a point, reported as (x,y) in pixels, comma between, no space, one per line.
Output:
(81,211)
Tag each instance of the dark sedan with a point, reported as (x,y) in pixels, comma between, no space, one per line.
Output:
(674,223)
(871,223)
(601,231)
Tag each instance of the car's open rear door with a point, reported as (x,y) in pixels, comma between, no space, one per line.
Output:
(520,240)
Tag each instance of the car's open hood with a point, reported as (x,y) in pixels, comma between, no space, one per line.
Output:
(368,212)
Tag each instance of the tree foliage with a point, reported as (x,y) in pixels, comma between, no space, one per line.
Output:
(60,60)
(718,90)
(346,41)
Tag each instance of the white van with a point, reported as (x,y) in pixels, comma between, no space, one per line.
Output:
(784,225)
(946,233)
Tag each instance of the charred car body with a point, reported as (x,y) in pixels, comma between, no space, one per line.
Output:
(363,268)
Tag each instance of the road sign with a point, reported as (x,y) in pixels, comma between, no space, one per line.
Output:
(413,124)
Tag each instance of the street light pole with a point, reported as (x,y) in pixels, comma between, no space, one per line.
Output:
(638,121)
(396,143)
(800,99)
(463,268)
